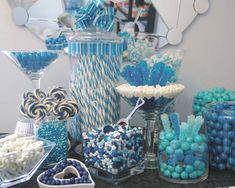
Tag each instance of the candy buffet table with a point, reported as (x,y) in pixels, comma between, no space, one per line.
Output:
(150,179)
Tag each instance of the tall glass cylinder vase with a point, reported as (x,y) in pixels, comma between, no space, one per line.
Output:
(95,60)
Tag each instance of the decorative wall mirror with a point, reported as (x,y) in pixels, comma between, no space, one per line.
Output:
(172,19)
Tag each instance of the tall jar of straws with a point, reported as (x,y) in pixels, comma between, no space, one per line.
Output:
(95,60)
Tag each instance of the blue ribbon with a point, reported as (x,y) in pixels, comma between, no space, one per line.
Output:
(92,14)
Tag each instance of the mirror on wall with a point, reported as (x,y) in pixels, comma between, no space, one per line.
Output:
(168,21)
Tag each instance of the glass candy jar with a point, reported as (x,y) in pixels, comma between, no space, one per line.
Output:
(55,131)
(220,126)
(183,154)
(114,153)
(95,59)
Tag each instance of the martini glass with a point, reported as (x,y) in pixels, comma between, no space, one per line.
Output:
(32,63)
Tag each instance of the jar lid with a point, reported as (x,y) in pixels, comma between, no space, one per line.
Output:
(94,43)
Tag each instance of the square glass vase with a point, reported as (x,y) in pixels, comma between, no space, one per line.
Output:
(114,157)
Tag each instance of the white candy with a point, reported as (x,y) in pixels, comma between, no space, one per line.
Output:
(168,91)
(18,154)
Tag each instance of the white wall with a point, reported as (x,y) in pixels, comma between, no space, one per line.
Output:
(209,60)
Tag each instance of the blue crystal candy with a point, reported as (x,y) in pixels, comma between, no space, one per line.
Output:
(58,43)
(34,61)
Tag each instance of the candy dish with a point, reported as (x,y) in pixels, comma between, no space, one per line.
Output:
(20,157)
(69,173)
(220,122)
(183,151)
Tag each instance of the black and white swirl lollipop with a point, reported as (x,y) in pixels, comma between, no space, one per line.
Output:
(37,111)
(29,96)
(49,103)
(39,94)
(58,93)
(65,109)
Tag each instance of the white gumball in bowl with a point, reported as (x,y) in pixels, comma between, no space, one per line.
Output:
(69,173)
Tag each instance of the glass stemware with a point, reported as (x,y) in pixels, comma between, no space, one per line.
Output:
(152,78)
(32,63)
(150,112)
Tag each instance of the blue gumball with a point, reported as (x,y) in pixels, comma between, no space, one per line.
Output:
(227,127)
(221,166)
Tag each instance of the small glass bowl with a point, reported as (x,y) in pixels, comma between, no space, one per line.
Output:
(7,181)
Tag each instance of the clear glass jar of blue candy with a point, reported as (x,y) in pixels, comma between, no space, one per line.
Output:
(55,131)
(220,128)
(95,59)
(183,152)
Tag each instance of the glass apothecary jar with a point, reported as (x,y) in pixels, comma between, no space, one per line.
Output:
(114,153)
(183,153)
(54,131)
(95,59)
(220,127)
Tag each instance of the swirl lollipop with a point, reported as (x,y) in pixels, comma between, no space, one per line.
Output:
(37,111)
(29,95)
(65,109)
(49,103)
(39,94)
(58,93)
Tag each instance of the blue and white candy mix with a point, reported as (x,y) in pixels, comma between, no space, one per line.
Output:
(115,150)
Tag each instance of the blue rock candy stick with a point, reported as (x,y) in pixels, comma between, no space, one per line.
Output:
(191,120)
(155,74)
(184,131)
(197,125)
(166,75)
(128,73)
(166,123)
(174,117)
(143,71)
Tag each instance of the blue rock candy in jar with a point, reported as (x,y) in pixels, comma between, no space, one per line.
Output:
(184,159)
